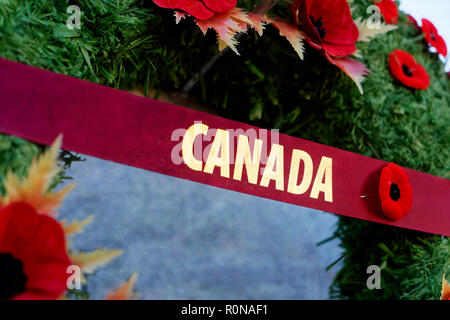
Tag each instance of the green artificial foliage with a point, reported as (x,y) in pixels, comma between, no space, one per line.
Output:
(124,44)
(15,155)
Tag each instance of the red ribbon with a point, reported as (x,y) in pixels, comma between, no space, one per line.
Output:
(114,125)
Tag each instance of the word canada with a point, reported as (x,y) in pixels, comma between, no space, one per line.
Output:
(302,178)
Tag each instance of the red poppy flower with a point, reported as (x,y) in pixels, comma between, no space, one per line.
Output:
(395,192)
(200,9)
(388,10)
(33,256)
(433,38)
(328,24)
(407,70)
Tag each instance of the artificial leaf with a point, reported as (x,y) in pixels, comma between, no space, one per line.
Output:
(89,262)
(34,189)
(125,291)
(355,69)
(357,54)
(180,15)
(366,34)
(293,34)
(227,25)
(70,229)
(445,294)
(257,22)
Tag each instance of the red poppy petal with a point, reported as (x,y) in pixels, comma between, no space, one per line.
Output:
(221,5)
(338,22)
(389,10)
(195,8)
(29,295)
(48,278)
(340,34)
(399,176)
(38,241)
(404,57)
(428,27)
(440,45)
(392,210)
(314,44)
(18,224)
(338,50)
(406,198)
(420,78)
(302,19)
(385,183)
(46,260)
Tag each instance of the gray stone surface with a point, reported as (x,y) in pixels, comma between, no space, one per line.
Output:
(191,241)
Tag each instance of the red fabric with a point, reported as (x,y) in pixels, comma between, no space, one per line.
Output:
(395,209)
(340,32)
(110,124)
(38,242)
(433,38)
(418,79)
(200,9)
(389,11)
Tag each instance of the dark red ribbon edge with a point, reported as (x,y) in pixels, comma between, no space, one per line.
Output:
(114,125)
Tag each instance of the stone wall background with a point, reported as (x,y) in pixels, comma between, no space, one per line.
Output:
(192,241)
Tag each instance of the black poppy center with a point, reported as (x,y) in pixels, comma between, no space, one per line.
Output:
(407,71)
(433,36)
(12,277)
(318,25)
(394,192)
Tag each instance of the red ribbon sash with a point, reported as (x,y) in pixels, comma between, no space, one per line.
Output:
(114,125)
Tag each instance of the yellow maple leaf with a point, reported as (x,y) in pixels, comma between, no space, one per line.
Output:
(355,69)
(227,25)
(125,291)
(75,227)
(89,262)
(292,33)
(34,189)
(179,16)
(254,20)
(445,294)
(367,33)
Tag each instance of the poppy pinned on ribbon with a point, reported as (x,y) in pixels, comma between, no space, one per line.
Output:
(395,192)
(33,255)
(405,69)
